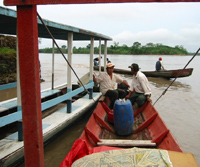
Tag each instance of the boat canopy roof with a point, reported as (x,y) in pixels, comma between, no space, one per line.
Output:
(8,25)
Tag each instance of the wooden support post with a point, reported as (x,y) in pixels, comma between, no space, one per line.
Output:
(105,54)
(91,65)
(27,28)
(69,71)
(19,104)
(53,50)
(20,130)
(99,55)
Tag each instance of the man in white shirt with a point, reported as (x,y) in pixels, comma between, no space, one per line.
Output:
(139,91)
(107,81)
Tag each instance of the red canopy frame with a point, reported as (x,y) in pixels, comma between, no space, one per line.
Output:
(44,2)
(29,70)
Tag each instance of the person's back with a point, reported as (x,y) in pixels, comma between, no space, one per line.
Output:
(158,65)
(108,61)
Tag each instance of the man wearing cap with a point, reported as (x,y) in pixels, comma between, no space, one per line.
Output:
(159,66)
(107,81)
(139,91)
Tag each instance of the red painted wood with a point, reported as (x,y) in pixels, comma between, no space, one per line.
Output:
(154,126)
(103,123)
(139,110)
(30,85)
(146,123)
(37,2)
(169,143)
(94,127)
(160,137)
(90,134)
(107,109)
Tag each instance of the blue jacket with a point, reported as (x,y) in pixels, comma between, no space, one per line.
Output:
(158,66)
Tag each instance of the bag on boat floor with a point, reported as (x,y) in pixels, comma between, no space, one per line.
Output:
(123,117)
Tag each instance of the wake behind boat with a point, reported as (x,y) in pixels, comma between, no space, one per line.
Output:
(100,144)
(164,74)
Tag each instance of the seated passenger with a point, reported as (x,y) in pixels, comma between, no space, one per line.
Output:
(107,81)
(139,91)
(96,61)
(159,65)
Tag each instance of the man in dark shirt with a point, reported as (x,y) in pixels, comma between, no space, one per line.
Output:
(96,61)
(159,65)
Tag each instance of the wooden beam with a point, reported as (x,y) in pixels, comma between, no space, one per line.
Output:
(126,143)
(53,64)
(100,55)
(105,54)
(44,2)
(13,117)
(91,65)
(69,70)
(8,86)
(27,29)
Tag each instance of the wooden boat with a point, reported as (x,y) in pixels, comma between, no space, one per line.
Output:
(149,131)
(164,74)
(55,119)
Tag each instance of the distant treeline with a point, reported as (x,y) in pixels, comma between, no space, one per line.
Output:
(135,49)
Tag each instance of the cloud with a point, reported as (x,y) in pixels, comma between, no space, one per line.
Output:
(188,37)
(167,23)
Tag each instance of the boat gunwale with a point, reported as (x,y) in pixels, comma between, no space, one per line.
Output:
(163,74)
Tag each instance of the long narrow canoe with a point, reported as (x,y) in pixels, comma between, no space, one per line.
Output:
(149,131)
(164,74)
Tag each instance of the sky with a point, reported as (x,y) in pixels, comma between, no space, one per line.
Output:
(164,23)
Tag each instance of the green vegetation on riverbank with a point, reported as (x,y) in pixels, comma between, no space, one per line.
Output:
(7,65)
(8,53)
(135,49)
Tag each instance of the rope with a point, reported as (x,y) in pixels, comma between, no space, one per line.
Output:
(63,54)
(177,76)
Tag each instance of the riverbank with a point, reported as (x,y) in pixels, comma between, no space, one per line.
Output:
(8,54)
(7,65)
(136,49)
(7,59)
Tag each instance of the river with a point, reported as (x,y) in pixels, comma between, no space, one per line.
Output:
(179,107)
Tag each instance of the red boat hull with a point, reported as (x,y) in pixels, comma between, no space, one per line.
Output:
(148,126)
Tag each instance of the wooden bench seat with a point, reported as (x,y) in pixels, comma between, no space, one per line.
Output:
(126,143)
(4,106)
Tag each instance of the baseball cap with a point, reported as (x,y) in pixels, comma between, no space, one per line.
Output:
(134,66)
(110,65)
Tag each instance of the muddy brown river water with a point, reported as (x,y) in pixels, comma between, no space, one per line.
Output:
(179,107)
